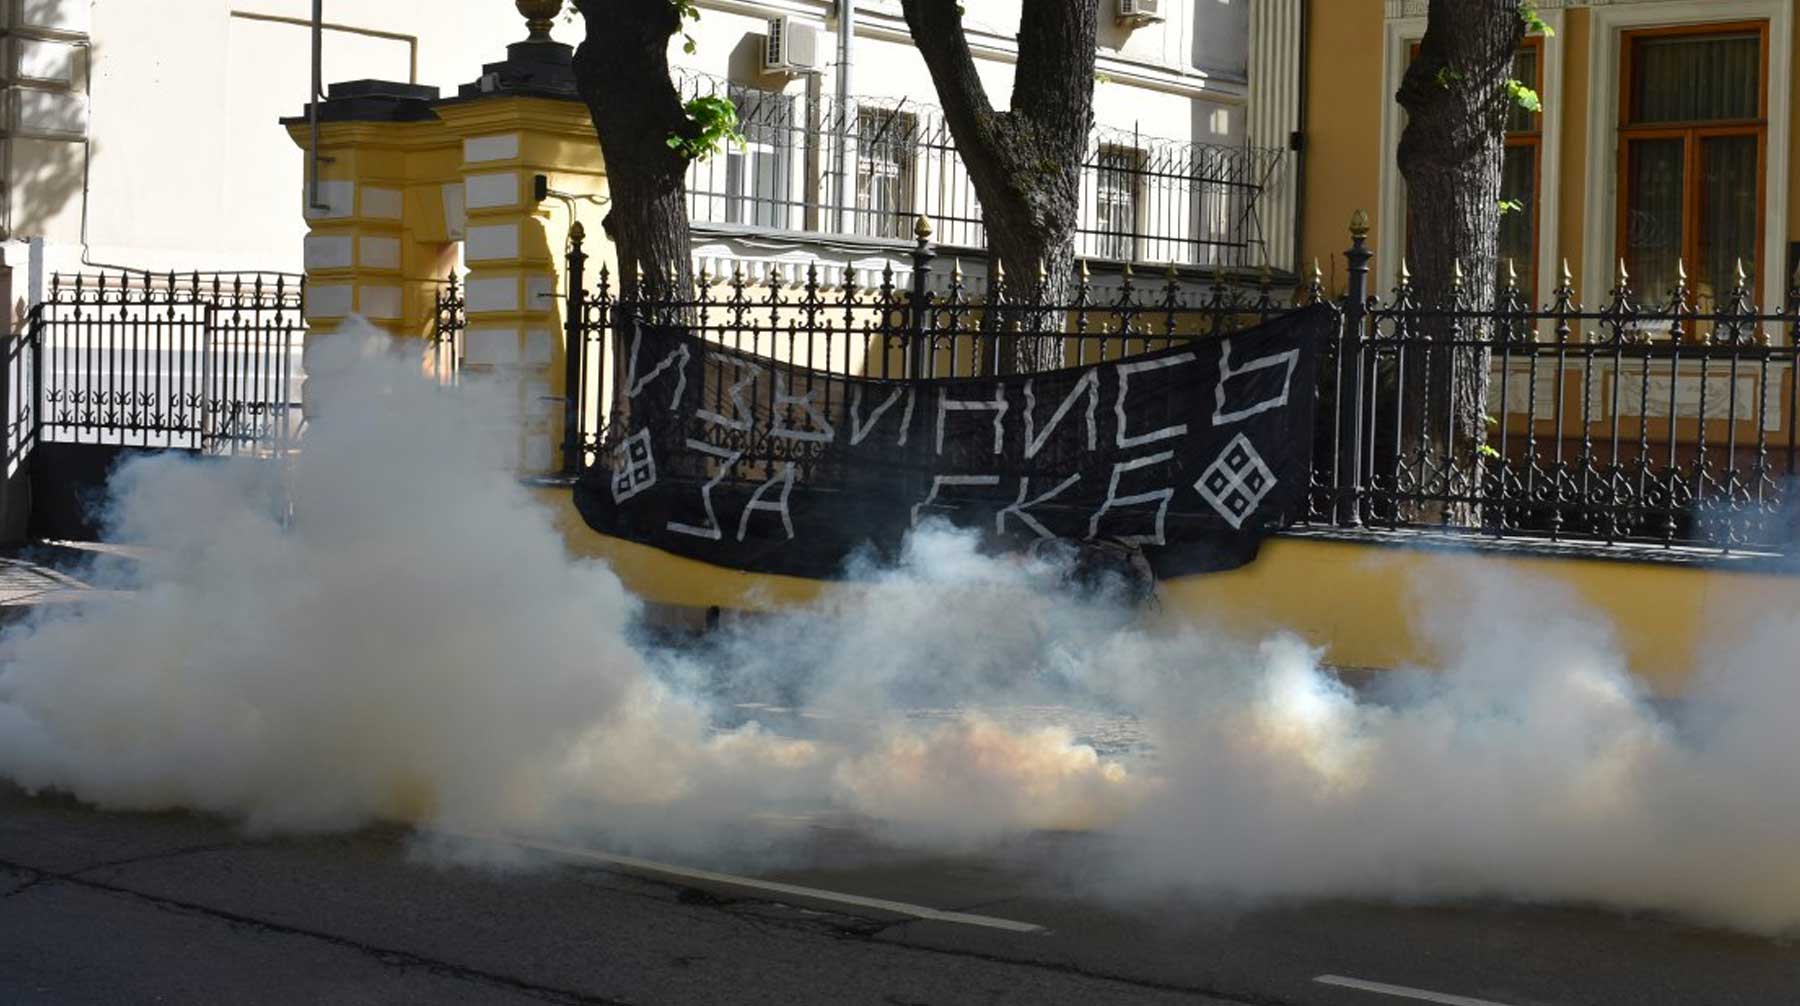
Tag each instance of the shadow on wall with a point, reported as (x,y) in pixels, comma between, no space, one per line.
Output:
(47,163)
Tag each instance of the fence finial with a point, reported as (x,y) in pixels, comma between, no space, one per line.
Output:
(1742,279)
(1405,270)
(1624,277)
(956,269)
(1318,275)
(922,228)
(1456,274)
(1681,274)
(1083,266)
(1512,274)
(1359,224)
(1568,279)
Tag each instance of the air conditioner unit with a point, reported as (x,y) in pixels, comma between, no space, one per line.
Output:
(1139,12)
(790,47)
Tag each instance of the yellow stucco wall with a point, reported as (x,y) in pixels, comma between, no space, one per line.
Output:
(1344,95)
(1361,603)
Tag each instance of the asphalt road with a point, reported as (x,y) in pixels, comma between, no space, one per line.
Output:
(175,908)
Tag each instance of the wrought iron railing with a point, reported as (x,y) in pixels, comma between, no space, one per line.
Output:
(1638,419)
(208,362)
(1143,199)
(448,322)
(1649,423)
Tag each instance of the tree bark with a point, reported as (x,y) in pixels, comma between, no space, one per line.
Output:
(1025,162)
(1456,99)
(622,71)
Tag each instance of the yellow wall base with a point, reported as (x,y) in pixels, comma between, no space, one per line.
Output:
(1362,603)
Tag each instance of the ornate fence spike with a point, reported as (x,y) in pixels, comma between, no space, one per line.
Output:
(1512,274)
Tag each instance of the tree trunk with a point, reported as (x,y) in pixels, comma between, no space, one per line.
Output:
(622,70)
(1456,100)
(1025,163)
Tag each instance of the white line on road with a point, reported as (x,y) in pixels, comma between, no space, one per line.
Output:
(1403,992)
(774,887)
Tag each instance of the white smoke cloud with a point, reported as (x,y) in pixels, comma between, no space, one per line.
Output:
(417,644)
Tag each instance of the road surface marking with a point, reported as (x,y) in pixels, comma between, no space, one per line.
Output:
(774,887)
(1403,992)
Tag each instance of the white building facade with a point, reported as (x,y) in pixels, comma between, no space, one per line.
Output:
(144,135)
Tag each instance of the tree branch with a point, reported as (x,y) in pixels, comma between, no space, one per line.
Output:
(1054,84)
(937,32)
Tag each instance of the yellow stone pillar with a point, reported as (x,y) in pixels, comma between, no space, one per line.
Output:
(405,176)
(366,254)
(515,245)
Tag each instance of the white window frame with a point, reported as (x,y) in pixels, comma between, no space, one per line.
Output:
(1606,29)
(906,175)
(761,164)
(1390,222)
(1133,236)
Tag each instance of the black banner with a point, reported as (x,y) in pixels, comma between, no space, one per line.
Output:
(1192,453)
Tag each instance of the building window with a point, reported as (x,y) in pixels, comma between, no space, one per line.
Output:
(1118,181)
(760,186)
(1519,175)
(1693,134)
(885,145)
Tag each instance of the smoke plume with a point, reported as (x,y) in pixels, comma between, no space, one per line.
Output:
(416,643)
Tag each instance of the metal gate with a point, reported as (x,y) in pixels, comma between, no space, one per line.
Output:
(113,365)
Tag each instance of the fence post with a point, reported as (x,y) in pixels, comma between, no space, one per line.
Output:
(918,348)
(1351,367)
(574,346)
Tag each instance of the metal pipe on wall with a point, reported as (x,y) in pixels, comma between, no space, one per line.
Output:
(841,137)
(312,103)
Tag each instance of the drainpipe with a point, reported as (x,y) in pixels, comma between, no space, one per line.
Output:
(841,141)
(318,91)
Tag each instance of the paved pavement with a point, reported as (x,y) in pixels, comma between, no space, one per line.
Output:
(144,908)
(106,908)
(55,573)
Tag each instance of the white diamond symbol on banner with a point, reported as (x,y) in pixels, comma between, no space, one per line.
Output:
(634,467)
(1236,481)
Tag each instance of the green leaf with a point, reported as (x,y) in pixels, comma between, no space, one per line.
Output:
(1534,22)
(1510,206)
(1524,96)
(715,122)
(1487,452)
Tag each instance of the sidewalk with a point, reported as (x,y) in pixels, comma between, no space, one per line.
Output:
(51,573)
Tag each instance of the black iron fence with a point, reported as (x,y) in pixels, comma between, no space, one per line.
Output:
(448,321)
(1640,418)
(1143,199)
(1636,420)
(205,362)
